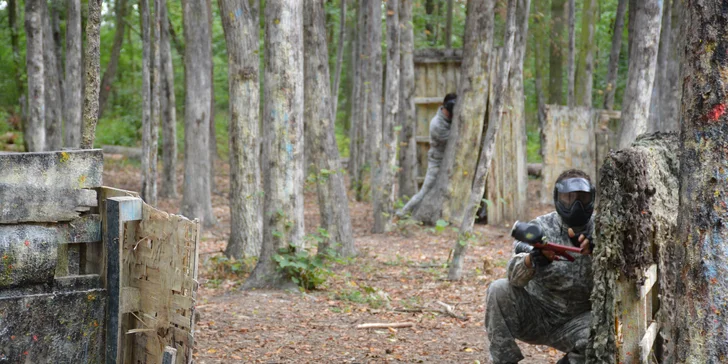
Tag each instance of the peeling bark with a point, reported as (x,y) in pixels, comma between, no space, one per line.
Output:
(246,207)
(407,115)
(196,196)
(74,92)
(282,161)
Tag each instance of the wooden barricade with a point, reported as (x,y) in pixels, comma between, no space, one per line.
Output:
(89,274)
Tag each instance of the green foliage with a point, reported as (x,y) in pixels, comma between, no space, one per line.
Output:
(308,271)
(222,267)
(371,296)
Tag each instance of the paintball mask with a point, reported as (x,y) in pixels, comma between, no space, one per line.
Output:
(450,106)
(574,201)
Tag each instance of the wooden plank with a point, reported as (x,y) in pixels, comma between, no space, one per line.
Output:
(116,208)
(648,341)
(429,100)
(59,327)
(48,187)
(130,300)
(29,253)
(650,280)
(86,229)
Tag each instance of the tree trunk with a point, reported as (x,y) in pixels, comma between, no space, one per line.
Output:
(91,67)
(358,103)
(630,26)
(613,67)
(571,68)
(168,109)
(151,182)
(384,177)
(701,316)
(150,100)
(673,84)
(654,122)
(585,68)
(213,134)
(372,83)
(283,139)
(448,26)
(407,116)
(110,73)
(246,218)
(35,133)
(15,42)
(332,199)
(556,59)
(454,180)
(339,61)
(540,50)
(56,8)
(73,91)
(641,75)
(53,102)
(494,116)
(196,202)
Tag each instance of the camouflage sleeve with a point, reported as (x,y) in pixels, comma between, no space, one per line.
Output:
(518,273)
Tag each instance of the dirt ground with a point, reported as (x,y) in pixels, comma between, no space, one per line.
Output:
(397,277)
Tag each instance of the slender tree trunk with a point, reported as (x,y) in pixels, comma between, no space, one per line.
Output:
(169,109)
(358,102)
(15,43)
(339,60)
(213,134)
(448,26)
(641,75)
(571,68)
(110,73)
(91,68)
(56,8)
(35,133)
(494,119)
(661,86)
(73,91)
(246,218)
(700,314)
(585,68)
(630,25)
(283,139)
(540,50)
(156,103)
(150,100)
(613,67)
(556,59)
(333,202)
(196,196)
(385,176)
(449,195)
(53,102)
(673,81)
(407,116)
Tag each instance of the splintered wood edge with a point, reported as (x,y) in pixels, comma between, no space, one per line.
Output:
(650,280)
(647,341)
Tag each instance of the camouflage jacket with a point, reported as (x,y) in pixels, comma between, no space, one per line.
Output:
(562,286)
(439,134)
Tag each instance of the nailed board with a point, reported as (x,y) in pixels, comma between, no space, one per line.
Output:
(163,270)
(48,187)
(44,329)
(29,253)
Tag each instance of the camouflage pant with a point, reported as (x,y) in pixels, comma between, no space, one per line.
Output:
(512,313)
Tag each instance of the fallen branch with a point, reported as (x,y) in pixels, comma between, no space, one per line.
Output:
(448,310)
(393,325)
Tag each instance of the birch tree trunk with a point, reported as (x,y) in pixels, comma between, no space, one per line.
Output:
(35,132)
(613,67)
(585,68)
(91,67)
(283,139)
(494,120)
(654,121)
(454,180)
(332,198)
(700,311)
(111,67)
(246,218)
(571,68)
(407,116)
(73,91)
(53,105)
(373,90)
(196,194)
(339,60)
(168,109)
(384,177)
(641,76)
(556,59)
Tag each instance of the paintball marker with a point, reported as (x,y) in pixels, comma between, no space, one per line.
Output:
(530,237)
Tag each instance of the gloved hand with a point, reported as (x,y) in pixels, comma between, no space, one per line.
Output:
(538,259)
(584,241)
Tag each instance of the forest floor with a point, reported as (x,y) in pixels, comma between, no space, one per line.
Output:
(397,277)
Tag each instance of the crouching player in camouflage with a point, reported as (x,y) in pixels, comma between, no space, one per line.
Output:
(545,301)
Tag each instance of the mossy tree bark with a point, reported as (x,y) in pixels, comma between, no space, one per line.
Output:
(246,218)
(332,198)
(454,181)
(282,161)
